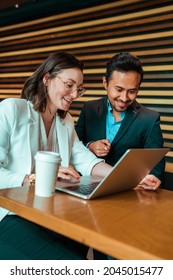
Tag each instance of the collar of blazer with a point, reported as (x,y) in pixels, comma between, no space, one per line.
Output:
(131,114)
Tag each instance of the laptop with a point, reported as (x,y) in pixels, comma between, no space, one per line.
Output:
(126,174)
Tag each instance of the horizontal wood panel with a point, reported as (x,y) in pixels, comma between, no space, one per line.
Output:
(169,167)
(168,136)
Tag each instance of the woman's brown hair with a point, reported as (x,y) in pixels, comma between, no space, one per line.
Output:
(34,89)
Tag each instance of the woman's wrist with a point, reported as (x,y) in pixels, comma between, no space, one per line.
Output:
(31,178)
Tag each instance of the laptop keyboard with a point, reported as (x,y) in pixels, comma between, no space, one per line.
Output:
(83,188)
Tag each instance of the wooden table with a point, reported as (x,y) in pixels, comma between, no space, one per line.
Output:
(129,225)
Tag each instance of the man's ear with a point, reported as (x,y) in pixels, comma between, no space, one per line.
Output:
(46,79)
(104,82)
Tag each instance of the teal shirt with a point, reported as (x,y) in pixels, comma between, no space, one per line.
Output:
(112,126)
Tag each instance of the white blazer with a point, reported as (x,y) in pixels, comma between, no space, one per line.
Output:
(19,142)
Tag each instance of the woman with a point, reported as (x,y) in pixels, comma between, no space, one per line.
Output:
(40,121)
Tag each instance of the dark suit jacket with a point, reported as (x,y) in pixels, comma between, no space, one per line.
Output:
(139,129)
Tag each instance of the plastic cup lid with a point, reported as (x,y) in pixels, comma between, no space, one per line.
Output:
(48,156)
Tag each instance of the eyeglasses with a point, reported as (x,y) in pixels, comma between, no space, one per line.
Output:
(69,87)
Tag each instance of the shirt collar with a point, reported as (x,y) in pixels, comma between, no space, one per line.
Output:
(109,108)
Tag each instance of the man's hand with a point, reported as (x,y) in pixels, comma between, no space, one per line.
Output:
(150,182)
(100,148)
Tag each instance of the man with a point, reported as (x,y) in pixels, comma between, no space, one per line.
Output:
(111,125)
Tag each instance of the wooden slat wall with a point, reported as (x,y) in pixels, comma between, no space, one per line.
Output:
(144,28)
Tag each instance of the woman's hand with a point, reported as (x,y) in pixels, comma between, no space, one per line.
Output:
(68,173)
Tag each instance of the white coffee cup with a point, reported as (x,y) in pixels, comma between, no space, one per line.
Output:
(46,169)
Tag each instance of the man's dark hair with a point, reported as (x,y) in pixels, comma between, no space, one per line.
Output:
(123,62)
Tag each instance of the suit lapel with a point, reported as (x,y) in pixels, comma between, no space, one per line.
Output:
(102,111)
(33,127)
(62,133)
(130,116)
